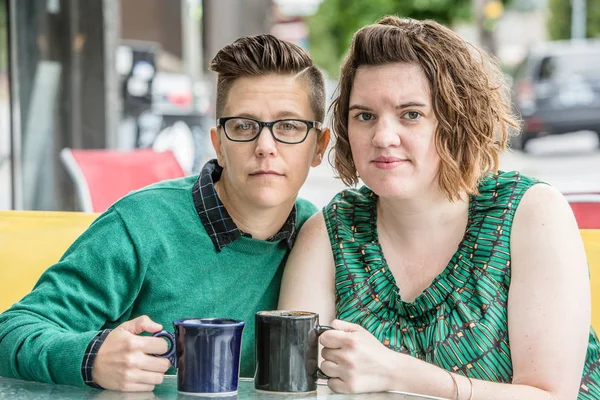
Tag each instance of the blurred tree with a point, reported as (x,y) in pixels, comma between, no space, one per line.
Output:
(559,23)
(332,27)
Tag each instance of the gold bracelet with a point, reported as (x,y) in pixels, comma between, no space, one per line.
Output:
(470,389)
(457,390)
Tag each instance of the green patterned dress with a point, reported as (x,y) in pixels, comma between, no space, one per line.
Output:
(459,323)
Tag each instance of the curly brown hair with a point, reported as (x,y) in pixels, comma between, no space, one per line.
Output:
(265,54)
(470,97)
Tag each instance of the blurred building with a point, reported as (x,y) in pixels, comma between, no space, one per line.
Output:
(289,18)
(66,69)
(516,28)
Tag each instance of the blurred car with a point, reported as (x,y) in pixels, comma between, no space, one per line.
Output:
(557,90)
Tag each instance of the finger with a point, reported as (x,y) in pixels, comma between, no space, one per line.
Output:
(142,377)
(334,339)
(151,345)
(137,387)
(346,326)
(336,385)
(141,324)
(330,369)
(153,364)
(330,354)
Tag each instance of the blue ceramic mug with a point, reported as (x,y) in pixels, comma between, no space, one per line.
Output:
(206,353)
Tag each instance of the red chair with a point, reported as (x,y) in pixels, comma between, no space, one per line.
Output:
(586,207)
(102,177)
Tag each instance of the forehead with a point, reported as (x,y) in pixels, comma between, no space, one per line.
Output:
(405,81)
(268,95)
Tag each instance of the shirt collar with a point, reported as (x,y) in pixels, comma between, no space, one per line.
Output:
(214,216)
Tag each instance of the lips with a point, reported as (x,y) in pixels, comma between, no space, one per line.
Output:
(387,163)
(265,173)
(383,159)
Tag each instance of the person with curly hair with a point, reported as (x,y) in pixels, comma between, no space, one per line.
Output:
(442,275)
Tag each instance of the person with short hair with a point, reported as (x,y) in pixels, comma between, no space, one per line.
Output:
(203,246)
(442,275)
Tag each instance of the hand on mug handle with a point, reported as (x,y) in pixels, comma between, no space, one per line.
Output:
(124,360)
(320,329)
(170,354)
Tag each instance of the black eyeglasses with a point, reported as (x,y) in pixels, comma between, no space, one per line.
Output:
(290,131)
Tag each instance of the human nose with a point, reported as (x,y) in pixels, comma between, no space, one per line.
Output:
(265,143)
(387,133)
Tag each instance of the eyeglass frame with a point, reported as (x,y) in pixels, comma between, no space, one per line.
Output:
(269,124)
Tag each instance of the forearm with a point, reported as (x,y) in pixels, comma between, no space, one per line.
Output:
(32,348)
(424,378)
(44,336)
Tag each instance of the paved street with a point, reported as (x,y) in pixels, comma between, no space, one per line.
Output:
(571,163)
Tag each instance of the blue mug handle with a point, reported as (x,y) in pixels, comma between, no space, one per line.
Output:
(170,354)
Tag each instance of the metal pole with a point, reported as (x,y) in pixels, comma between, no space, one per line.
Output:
(15,108)
(191,37)
(578,19)
(112,99)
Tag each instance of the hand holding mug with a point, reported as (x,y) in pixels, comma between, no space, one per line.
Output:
(124,361)
(356,361)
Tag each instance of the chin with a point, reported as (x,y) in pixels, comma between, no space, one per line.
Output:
(391,189)
(270,198)
(397,194)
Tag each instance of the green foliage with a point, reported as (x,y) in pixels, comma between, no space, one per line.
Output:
(332,27)
(559,22)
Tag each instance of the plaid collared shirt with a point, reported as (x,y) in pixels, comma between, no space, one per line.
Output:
(215,218)
(220,227)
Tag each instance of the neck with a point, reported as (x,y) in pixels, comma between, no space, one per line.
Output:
(415,221)
(260,222)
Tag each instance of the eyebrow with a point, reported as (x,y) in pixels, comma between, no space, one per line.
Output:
(280,115)
(400,106)
(359,107)
(411,104)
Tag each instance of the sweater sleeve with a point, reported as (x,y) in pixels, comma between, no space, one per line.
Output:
(44,336)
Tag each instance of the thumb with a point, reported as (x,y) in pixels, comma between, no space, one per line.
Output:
(141,324)
(346,326)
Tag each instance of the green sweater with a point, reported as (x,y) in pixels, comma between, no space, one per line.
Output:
(148,254)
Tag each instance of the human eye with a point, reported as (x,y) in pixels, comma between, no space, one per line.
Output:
(244,125)
(412,115)
(241,125)
(289,125)
(241,128)
(289,129)
(365,116)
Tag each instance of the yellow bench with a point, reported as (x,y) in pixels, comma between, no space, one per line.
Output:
(31,241)
(591,241)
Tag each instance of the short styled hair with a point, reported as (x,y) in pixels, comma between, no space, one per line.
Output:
(262,55)
(470,98)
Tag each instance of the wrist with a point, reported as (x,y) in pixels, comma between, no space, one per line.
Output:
(89,358)
(398,371)
(410,374)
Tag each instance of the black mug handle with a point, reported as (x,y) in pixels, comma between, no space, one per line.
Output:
(320,329)
(170,354)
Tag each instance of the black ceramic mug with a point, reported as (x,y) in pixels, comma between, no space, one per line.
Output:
(287,351)
(206,353)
